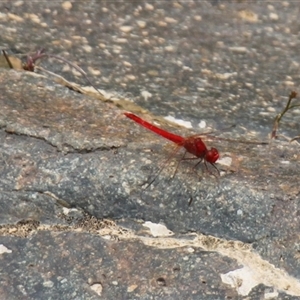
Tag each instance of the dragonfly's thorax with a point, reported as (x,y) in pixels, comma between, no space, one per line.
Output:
(195,146)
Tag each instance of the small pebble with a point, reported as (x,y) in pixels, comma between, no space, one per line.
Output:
(67,5)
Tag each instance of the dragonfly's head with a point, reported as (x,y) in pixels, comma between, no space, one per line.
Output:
(212,155)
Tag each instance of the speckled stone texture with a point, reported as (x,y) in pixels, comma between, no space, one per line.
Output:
(76,221)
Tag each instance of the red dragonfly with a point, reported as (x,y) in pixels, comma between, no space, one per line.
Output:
(192,144)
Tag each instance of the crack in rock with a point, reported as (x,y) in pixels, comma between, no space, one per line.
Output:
(254,270)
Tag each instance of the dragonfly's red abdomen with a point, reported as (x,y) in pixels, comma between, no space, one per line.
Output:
(177,139)
(192,144)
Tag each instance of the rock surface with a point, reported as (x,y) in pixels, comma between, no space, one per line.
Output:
(76,221)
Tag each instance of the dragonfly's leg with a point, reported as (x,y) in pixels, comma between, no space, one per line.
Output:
(209,171)
(192,158)
(179,161)
(196,165)
(216,169)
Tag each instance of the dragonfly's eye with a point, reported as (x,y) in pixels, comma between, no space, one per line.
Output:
(212,155)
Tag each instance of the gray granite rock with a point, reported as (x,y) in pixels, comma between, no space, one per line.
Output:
(76,221)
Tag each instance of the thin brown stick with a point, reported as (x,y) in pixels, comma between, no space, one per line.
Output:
(31,60)
(7,59)
(278,118)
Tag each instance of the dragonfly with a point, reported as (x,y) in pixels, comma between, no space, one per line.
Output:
(192,144)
